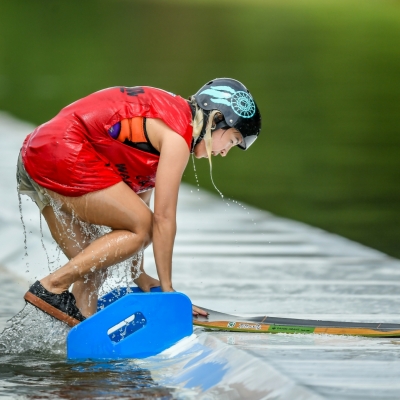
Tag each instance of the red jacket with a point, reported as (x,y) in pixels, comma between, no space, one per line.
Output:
(73,154)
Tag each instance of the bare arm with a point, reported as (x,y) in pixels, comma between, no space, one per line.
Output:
(144,281)
(174,155)
(146,197)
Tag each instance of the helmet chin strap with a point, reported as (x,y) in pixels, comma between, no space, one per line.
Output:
(219,125)
(196,141)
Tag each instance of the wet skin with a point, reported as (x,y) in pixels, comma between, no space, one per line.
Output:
(85,288)
(134,226)
(222,141)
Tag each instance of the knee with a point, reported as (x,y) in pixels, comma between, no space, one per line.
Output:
(143,232)
(146,233)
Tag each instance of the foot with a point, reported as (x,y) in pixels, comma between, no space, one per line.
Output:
(60,306)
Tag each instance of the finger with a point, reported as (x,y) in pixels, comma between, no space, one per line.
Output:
(201,312)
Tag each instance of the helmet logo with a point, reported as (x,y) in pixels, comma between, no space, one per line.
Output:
(243,105)
(240,102)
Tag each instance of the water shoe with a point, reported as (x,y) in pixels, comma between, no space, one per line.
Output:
(61,306)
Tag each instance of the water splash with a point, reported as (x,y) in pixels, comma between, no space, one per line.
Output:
(31,330)
(121,274)
(24,229)
(41,241)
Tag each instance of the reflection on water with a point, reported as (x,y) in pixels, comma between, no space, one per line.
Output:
(51,377)
(33,365)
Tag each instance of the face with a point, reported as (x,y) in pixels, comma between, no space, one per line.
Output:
(222,141)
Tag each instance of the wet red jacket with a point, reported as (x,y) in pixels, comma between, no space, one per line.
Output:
(73,154)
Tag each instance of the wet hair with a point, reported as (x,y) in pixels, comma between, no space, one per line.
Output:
(198,119)
(198,123)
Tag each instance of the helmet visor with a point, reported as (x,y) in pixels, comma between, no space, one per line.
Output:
(247,142)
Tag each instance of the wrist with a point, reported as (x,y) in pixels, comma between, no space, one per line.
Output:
(167,287)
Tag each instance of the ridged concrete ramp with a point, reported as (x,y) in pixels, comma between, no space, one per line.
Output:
(236,259)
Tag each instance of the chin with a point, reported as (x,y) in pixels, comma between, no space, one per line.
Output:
(200,151)
(197,155)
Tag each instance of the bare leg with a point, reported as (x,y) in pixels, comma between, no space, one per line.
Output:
(86,292)
(117,207)
(72,243)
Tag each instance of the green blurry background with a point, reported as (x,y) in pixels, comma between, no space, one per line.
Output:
(325,74)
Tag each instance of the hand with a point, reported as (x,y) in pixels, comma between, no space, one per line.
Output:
(196,311)
(146,282)
(167,287)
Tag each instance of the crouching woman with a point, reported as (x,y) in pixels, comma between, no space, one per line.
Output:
(98,161)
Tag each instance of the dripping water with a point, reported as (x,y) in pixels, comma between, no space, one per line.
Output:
(42,241)
(195,173)
(224,199)
(24,229)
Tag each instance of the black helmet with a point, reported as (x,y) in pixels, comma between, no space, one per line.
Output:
(235,103)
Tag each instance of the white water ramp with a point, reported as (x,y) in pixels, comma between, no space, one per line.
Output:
(245,261)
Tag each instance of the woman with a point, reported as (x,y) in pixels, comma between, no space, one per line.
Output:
(98,161)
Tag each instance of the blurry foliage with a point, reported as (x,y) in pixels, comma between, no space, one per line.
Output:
(324,74)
